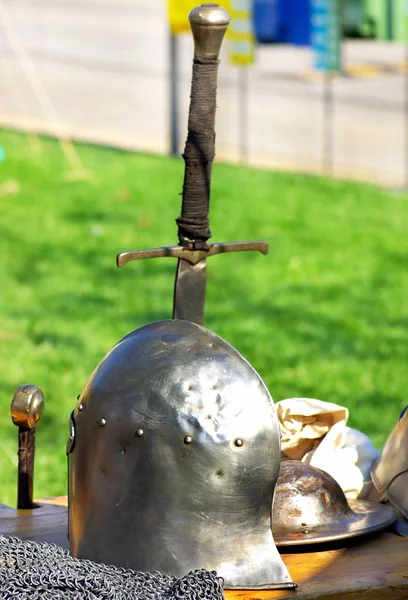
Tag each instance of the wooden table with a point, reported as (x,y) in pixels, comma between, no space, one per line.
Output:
(365,568)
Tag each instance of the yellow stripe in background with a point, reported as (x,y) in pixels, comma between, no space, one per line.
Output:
(178,15)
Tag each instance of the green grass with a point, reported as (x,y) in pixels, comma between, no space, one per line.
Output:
(324,315)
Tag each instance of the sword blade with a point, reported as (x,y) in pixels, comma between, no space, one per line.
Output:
(189,291)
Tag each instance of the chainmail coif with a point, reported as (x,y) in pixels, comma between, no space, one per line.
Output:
(33,571)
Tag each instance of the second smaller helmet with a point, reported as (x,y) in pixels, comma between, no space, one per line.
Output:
(310,507)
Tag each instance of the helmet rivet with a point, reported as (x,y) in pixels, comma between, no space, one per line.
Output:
(81,407)
(188,439)
(139,433)
(238,442)
(102,422)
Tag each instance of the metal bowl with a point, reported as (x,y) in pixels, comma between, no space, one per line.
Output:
(310,507)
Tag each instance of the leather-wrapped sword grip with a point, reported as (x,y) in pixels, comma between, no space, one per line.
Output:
(208,24)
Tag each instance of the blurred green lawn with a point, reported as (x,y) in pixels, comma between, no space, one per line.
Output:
(324,315)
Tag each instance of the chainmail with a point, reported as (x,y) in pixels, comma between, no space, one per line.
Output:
(33,571)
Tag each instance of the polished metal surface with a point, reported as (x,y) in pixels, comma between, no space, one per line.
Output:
(191,256)
(185,495)
(27,406)
(389,472)
(208,23)
(310,507)
(71,439)
(209,14)
(189,291)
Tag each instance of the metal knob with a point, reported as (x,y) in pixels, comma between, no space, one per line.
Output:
(208,23)
(27,407)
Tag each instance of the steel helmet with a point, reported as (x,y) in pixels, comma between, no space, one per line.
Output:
(174,455)
(311,507)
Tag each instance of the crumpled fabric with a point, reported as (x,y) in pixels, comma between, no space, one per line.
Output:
(316,433)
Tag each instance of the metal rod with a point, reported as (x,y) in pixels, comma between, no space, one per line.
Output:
(174,96)
(26,453)
(27,407)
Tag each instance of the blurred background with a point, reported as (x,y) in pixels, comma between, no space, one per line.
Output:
(312,156)
(107,71)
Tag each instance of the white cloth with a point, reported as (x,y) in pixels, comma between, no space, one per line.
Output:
(316,433)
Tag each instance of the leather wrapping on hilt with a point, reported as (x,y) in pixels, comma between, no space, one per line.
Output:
(193,225)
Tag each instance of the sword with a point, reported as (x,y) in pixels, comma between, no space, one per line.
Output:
(27,407)
(208,24)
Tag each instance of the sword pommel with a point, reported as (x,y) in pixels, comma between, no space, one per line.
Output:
(208,23)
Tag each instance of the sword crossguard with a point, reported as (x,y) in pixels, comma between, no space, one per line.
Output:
(191,256)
